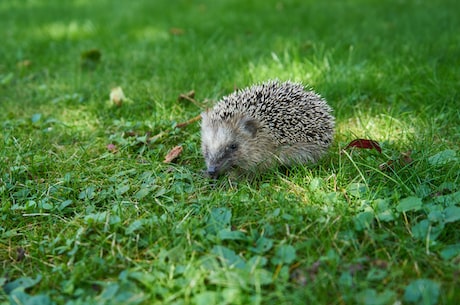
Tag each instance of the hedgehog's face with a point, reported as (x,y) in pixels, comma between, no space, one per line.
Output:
(223,142)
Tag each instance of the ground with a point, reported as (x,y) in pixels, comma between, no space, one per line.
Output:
(90,213)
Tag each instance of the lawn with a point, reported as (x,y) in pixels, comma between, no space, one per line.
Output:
(90,213)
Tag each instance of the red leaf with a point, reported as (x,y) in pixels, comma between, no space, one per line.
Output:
(364,143)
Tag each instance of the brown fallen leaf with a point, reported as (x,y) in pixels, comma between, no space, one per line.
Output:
(406,157)
(380,263)
(364,143)
(403,160)
(176,31)
(21,254)
(24,64)
(130,133)
(117,96)
(173,154)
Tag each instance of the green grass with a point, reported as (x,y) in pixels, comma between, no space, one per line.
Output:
(80,224)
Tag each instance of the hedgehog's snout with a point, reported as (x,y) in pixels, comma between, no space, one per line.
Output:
(217,167)
(213,171)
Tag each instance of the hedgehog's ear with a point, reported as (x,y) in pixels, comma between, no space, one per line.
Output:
(250,126)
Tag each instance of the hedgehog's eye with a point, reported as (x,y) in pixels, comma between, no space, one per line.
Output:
(233,146)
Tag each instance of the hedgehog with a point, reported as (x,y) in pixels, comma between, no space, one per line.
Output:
(266,125)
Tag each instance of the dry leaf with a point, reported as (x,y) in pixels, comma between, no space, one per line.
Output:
(403,160)
(24,64)
(130,133)
(117,96)
(380,263)
(21,254)
(365,143)
(173,154)
(176,31)
(406,158)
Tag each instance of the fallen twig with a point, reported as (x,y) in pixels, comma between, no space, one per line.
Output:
(188,122)
(189,96)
